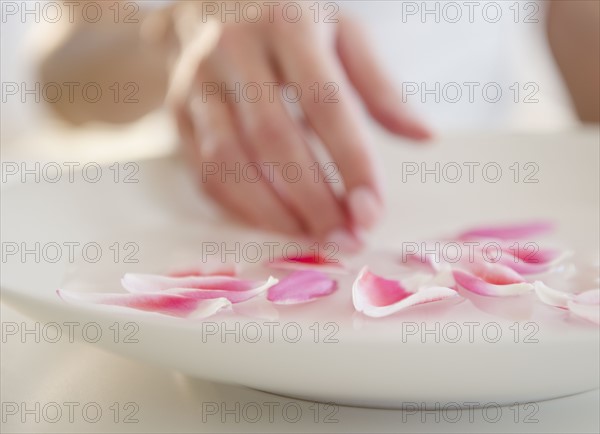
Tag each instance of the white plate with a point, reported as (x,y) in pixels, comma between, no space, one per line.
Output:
(542,353)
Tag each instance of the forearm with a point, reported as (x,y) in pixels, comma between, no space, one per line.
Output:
(574,37)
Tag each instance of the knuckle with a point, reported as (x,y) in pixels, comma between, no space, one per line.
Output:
(217,150)
(227,40)
(292,17)
(212,189)
(234,34)
(269,132)
(328,216)
(329,114)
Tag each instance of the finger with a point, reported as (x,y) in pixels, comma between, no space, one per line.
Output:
(336,123)
(234,186)
(274,137)
(185,126)
(376,90)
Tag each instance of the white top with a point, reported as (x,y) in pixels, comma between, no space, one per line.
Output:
(463,53)
(486,63)
(465,48)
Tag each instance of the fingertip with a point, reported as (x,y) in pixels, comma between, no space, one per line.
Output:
(397,122)
(420,133)
(414,130)
(345,240)
(365,207)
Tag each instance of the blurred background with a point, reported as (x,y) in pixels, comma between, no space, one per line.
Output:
(417,49)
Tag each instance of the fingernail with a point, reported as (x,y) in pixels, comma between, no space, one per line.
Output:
(419,132)
(345,241)
(416,130)
(422,133)
(365,208)
(411,126)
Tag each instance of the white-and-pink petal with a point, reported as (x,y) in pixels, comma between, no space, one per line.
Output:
(163,303)
(309,262)
(508,232)
(537,262)
(551,296)
(586,305)
(198,287)
(493,280)
(301,286)
(376,296)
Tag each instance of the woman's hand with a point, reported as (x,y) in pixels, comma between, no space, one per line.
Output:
(229,93)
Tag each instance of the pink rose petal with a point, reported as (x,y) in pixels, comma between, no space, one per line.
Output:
(155,282)
(197,287)
(167,304)
(308,262)
(232,296)
(508,232)
(423,257)
(200,271)
(588,297)
(300,287)
(551,296)
(529,262)
(376,296)
(492,280)
(539,256)
(586,305)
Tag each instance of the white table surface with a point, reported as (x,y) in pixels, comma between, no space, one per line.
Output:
(52,374)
